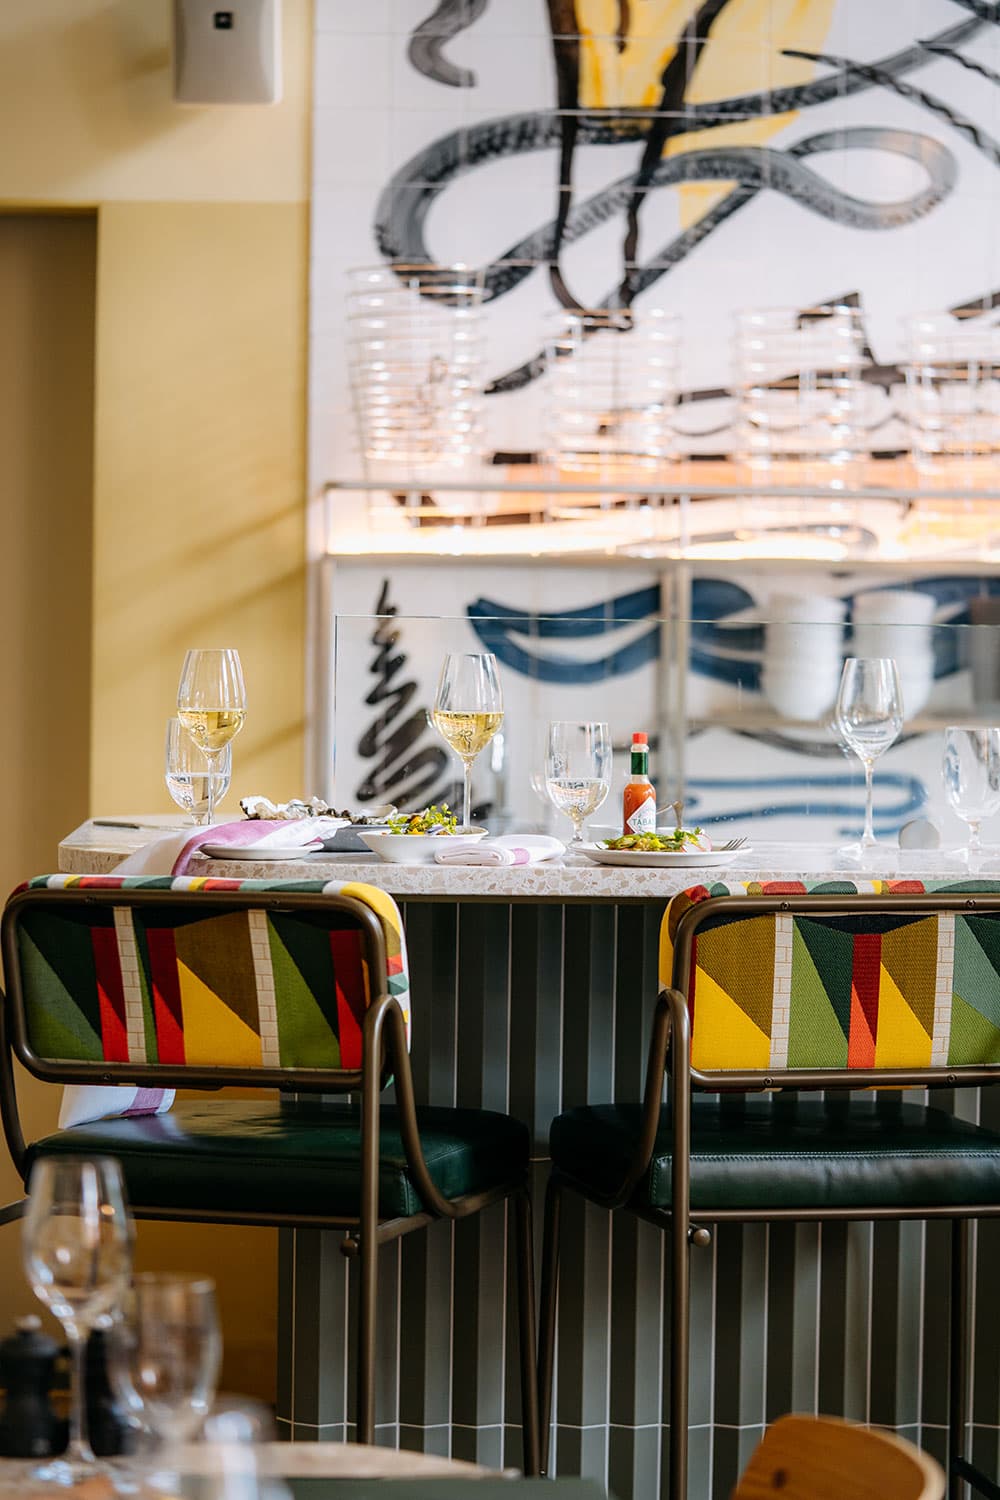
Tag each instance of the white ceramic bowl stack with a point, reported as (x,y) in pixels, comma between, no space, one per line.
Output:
(803,650)
(898,623)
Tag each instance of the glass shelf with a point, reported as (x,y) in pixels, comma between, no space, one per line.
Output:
(674,489)
(700,513)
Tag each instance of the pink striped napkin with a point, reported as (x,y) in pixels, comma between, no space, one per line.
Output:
(508,849)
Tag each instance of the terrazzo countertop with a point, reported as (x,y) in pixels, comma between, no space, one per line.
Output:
(93,849)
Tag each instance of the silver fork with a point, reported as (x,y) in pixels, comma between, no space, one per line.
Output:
(733,844)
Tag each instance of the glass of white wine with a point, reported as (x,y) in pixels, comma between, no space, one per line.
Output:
(468,711)
(212,705)
(577,770)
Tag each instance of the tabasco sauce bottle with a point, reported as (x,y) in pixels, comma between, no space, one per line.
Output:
(639,800)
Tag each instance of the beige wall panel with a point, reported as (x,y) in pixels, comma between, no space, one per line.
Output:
(85,93)
(199,541)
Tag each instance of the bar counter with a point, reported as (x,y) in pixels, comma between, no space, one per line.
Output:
(532,992)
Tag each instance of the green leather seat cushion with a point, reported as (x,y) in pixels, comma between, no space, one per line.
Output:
(779,1153)
(291,1157)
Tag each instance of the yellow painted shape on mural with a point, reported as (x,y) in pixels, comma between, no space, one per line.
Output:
(901,1041)
(213,1034)
(741,56)
(724,1036)
(610,78)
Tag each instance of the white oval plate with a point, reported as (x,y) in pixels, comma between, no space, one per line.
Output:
(262,853)
(665,859)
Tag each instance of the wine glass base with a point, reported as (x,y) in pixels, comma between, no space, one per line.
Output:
(860,856)
(96,1478)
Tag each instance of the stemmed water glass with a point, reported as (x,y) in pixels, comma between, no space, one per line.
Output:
(190,777)
(468,711)
(971,771)
(77,1249)
(164,1354)
(211,704)
(869,717)
(577,770)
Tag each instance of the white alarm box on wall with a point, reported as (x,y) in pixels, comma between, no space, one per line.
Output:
(227,53)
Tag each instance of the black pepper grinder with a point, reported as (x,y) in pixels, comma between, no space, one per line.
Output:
(108,1427)
(29,1428)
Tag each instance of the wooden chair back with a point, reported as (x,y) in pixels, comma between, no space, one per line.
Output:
(822,1458)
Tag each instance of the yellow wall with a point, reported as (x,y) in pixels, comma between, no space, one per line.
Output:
(199,456)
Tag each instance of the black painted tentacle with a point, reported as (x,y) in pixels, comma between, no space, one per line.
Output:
(446,21)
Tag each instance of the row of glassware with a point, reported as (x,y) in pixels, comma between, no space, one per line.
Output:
(806,386)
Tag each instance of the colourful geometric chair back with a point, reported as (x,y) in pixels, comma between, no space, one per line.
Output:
(798,990)
(161,980)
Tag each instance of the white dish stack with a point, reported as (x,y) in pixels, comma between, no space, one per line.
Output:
(898,623)
(803,651)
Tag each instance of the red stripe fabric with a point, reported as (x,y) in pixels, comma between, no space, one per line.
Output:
(167,1013)
(349,978)
(111,996)
(865,977)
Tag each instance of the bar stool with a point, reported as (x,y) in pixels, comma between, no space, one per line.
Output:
(805,992)
(298,986)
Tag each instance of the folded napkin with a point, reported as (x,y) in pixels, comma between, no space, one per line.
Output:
(82,1103)
(508,849)
(173,854)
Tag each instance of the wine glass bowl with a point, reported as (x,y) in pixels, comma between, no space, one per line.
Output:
(211,704)
(869,718)
(468,711)
(188,772)
(577,770)
(77,1249)
(971,775)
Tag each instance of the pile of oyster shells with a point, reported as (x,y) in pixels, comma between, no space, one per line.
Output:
(310,807)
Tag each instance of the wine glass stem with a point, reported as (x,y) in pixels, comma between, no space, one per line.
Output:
(975,843)
(869,833)
(467,797)
(79,1449)
(577,830)
(211,757)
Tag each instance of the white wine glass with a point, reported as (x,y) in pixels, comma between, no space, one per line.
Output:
(468,711)
(212,704)
(164,1354)
(971,772)
(188,773)
(869,717)
(76,1244)
(577,770)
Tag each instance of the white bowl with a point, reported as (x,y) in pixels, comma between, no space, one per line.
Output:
(416,848)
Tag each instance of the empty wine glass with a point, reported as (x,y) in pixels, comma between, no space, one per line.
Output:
(77,1248)
(971,771)
(211,704)
(165,1352)
(468,711)
(577,770)
(188,772)
(869,717)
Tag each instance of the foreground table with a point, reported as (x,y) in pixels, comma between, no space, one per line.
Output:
(532,992)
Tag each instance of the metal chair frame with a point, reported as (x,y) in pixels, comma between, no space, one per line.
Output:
(670,1057)
(384,1052)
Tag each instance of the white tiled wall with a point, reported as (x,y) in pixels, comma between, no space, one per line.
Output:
(374,112)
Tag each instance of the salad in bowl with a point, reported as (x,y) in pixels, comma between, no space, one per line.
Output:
(411,838)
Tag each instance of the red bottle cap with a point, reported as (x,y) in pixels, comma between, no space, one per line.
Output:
(639,739)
